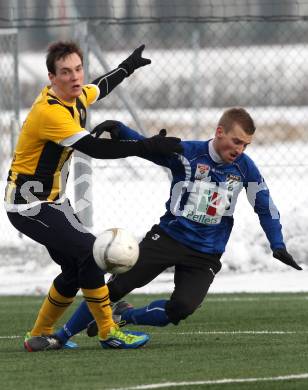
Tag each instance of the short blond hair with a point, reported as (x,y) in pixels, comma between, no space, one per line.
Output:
(239,116)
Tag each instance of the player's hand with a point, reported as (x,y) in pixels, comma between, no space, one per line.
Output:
(112,127)
(160,144)
(135,61)
(284,256)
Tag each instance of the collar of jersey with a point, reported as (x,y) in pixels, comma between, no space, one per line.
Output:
(51,93)
(213,154)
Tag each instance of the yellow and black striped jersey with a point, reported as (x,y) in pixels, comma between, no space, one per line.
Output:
(39,169)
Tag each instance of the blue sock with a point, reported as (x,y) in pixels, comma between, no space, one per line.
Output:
(78,322)
(154,314)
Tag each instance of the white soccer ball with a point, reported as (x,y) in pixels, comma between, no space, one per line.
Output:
(116,250)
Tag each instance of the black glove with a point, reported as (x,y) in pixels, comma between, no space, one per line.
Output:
(163,132)
(160,144)
(110,126)
(134,61)
(285,257)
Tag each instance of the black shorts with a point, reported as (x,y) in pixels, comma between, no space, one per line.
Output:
(193,271)
(67,241)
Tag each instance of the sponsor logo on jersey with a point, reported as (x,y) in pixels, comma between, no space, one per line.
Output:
(82,114)
(202,171)
(233,178)
(207,203)
(202,218)
(232,181)
(219,171)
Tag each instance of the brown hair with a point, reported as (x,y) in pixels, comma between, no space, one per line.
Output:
(239,116)
(61,49)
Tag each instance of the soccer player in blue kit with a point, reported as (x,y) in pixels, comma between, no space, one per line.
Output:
(192,235)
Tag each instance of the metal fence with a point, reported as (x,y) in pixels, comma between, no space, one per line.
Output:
(198,70)
(185,90)
(9,92)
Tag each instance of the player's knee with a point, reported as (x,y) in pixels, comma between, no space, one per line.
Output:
(122,284)
(90,275)
(179,310)
(68,287)
(117,290)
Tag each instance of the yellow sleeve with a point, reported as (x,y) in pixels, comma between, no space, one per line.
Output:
(91,93)
(57,124)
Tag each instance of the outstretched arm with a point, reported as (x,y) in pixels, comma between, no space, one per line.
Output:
(158,145)
(119,131)
(110,80)
(269,217)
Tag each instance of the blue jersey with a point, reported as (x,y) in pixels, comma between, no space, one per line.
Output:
(203,194)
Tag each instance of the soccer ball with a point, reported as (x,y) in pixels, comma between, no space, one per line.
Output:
(115,250)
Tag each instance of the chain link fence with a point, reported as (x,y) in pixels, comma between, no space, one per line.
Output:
(8,42)
(185,90)
(9,111)
(198,70)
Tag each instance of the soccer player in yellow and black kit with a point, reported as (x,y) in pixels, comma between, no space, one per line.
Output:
(35,194)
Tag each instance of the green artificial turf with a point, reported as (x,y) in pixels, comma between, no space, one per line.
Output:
(232,336)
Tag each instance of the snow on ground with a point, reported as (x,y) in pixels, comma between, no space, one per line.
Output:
(32,279)
(288,281)
(29,278)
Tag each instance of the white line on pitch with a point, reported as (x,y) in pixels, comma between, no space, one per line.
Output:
(230,332)
(210,332)
(214,382)
(21,337)
(254,299)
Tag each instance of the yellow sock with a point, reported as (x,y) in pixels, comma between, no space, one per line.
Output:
(99,305)
(51,310)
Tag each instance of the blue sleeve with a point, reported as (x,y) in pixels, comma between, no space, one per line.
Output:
(259,197)
(127,133)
